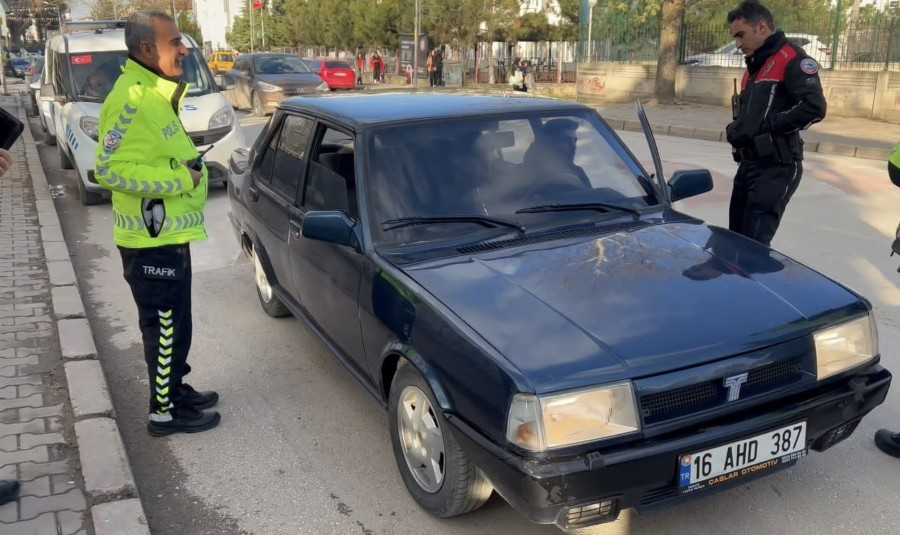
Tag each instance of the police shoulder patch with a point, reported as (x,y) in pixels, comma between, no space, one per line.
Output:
(809,66)
(112,140)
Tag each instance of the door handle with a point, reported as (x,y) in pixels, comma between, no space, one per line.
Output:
(296,228)
(254,193)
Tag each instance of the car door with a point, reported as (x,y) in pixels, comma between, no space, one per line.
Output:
(327,276)
(273,191)
(242,82)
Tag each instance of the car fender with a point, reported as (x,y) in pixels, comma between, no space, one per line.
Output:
(260,251)
(407,352)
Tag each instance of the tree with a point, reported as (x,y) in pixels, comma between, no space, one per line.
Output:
(669,38)
(189,27)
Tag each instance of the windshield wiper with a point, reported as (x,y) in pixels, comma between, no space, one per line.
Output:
(424,220)
(602,206)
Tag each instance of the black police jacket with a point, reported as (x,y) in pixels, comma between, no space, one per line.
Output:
(781,93)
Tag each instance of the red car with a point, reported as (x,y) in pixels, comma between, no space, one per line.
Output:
(338,74)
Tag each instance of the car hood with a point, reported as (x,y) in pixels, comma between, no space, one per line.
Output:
(291,81)
(633,304)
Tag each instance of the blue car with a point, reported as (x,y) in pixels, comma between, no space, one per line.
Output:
(520,295)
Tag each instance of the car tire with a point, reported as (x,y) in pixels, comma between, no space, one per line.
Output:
(64,161)
(460,487)
(88,198)
(267,298)
(257,105)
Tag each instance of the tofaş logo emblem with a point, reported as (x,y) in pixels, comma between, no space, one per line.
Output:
(82,60)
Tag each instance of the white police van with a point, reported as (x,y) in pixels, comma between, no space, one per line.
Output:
(80,68)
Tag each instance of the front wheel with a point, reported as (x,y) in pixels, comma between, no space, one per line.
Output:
(267,298)
(257,106)
(436,471)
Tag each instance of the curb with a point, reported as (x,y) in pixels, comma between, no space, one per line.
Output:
(108,480)
(821,147)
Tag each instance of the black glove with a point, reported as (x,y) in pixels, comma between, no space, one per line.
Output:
(737,135)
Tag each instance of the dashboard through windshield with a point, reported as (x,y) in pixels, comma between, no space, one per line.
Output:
(527,170)
(95,74)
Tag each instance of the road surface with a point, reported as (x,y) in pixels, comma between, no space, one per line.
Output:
(303,449)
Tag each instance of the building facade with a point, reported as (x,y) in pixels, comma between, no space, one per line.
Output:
(215,18)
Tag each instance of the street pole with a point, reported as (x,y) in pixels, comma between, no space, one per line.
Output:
(592,3)
(262,19)
(250,3)
(415,73)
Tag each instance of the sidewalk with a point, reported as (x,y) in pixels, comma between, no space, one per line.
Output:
(58,435)
(845,136)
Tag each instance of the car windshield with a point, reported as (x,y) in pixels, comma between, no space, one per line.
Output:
(95,74)
(279,65)
(497,168)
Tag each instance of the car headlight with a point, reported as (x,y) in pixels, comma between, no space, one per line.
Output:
(845,346)
(223,117)
(91,127)
(323,87)
(268,88)
(541,423)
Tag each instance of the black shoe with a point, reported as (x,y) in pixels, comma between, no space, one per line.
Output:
(198,400)
(184,419)
(9,490)
(888,442)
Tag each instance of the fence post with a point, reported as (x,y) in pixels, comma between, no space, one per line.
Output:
(890,44)
(838,15)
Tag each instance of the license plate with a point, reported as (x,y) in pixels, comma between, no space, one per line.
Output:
(742,458)
(340,74)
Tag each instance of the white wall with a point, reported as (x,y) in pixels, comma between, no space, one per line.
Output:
(215,18)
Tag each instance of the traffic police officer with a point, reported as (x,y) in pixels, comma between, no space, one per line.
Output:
(780,95)
(159,188)
(886,440)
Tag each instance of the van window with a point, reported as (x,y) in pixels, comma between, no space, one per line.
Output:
(95,73)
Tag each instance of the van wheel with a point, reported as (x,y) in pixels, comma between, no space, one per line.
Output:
(437,473)
(88,198)
(267,298)
(64,161)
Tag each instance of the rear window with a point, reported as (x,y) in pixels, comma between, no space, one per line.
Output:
(337,65)
(226,57)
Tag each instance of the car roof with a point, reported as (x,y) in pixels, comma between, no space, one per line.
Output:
(361,111)
(89,41)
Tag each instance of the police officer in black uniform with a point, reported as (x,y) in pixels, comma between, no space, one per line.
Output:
(780,95)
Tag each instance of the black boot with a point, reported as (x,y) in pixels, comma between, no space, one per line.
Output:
(9,490)
(183,419)
(198,400)
(888,442)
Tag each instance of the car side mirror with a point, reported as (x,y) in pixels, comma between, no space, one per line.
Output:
(690,183)
(330,226)
(240,160)
(47,91)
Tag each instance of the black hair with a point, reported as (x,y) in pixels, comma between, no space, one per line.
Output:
(752,12)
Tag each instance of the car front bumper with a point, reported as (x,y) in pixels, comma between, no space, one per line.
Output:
(584,490)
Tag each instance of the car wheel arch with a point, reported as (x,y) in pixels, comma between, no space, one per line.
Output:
(398,355)
(258,250)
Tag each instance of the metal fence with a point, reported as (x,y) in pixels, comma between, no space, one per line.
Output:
(869,43)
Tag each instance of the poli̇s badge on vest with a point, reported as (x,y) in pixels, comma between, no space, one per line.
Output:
(809,66)
(112,140)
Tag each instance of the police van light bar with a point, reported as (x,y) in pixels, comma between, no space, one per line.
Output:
(94,25)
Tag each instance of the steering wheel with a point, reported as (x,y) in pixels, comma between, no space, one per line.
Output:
(561,184)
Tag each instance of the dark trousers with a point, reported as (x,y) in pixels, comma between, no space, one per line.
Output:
(160,281)
(760,195)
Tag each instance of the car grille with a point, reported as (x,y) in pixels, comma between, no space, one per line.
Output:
(298,91)
(209,136)
(663,406)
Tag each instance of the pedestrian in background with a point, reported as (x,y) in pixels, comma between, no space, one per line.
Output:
(781,94)
(885,439)
(159,187)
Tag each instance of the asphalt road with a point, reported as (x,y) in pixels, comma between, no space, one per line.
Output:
(303,449)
